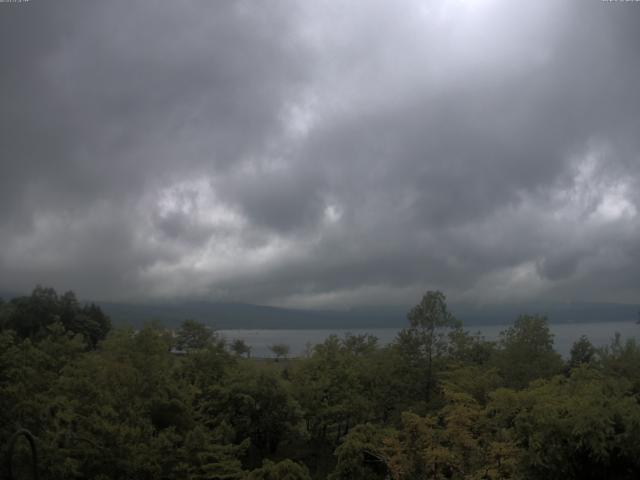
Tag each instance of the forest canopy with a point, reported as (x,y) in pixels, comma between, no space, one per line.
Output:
(438,402)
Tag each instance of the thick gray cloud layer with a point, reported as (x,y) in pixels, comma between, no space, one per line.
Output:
(321,153)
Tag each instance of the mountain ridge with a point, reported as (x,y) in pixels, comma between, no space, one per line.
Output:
(241,315)
(237,315)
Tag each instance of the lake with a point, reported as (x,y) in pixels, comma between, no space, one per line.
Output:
(565,335)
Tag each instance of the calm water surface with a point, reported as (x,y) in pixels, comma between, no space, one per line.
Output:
(600,335)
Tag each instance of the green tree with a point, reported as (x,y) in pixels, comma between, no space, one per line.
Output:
(360,344)
(426,339)
(476,380)
(204,454)
(526,352)
(582,352)
(457,442)
(359,457)
(622,360)
(240,347)
(257,405)
(465,348)
(280,350)
(88,320)
(193,335)
(30,316)
(335,389)
(585,426)
(284,470)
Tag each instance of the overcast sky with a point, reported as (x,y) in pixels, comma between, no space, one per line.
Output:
(321,153)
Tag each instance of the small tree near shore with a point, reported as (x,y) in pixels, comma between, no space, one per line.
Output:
(239,347)
(280,350)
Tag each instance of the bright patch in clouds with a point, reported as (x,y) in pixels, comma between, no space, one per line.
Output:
(597,194)
(332,213)
(196,200)
(615,205)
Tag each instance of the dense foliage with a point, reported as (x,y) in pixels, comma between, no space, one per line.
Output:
(438,403)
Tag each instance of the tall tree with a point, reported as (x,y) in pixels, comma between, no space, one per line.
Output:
(526,352)
(582,352)
(426,337)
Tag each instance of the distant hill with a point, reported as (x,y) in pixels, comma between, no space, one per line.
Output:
(229,315)
(6,295)
(570,312)
(247,316)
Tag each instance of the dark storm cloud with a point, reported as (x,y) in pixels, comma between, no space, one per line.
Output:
(111,103)
(321,154)
(112,92)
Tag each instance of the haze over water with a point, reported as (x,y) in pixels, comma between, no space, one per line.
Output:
(600,334)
